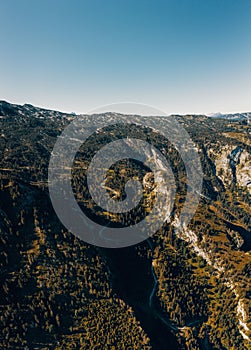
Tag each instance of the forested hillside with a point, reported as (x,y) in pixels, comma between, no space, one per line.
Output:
(189,290)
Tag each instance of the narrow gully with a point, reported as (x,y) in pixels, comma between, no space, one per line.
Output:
(134,282)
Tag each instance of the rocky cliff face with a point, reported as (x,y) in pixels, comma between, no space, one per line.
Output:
(233,166)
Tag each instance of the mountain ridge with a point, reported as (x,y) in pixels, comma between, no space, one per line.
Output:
(31,108)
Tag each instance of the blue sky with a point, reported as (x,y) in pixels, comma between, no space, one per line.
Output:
(182,56)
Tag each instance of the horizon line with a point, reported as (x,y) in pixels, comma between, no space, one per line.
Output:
(57,109)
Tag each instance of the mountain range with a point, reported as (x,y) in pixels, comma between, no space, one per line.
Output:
(185,290)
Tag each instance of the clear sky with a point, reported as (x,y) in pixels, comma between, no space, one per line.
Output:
(182,56)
